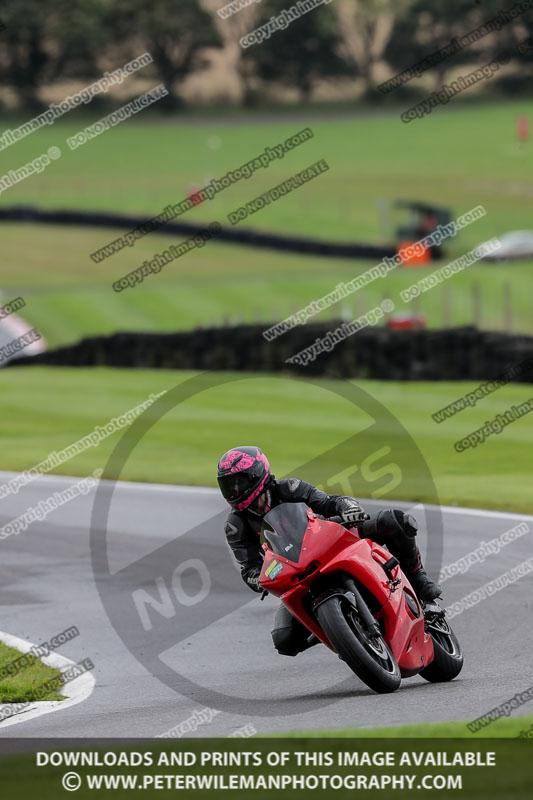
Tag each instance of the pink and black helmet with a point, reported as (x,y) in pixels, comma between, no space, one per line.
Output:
(242,475)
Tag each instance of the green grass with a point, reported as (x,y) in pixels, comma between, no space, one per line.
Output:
(26,684)
(461,158)
(500,729)
(46,409)
(68,298)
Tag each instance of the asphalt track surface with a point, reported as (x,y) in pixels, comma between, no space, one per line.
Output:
(47,585)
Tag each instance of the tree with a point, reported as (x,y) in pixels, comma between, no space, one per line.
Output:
(45,38)
(232,30)
(174,32)
(521,39)
(305,51)
(423,29)
(367,27)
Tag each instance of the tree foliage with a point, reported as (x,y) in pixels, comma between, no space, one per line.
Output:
(424,28)
(175,32)
(305,51)
(44,39)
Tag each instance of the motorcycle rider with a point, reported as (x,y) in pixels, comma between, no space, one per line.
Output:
(250,488)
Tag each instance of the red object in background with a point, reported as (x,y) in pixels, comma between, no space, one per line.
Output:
(522,128)
(194,197)
(406,322)
(420,260)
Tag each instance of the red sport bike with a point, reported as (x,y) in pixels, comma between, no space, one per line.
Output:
(352,595)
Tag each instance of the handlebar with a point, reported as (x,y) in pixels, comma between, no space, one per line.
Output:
(343,522)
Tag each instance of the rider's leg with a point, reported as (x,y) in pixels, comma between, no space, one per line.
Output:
(397,530)
(290,637)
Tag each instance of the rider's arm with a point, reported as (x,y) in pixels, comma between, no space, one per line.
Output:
(246,549)
(295,490)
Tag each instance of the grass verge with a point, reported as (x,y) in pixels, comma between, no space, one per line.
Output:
(47,409)
(66,300)
(499,729)
(25,686)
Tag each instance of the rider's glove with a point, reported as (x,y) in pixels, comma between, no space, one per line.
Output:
(353,514)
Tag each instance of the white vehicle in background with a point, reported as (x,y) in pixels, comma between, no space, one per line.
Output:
(517,244)
(17,337)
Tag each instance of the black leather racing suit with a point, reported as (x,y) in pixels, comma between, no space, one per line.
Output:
(391,527)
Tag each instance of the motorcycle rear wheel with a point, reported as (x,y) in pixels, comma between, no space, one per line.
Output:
(448,660)
(370,658)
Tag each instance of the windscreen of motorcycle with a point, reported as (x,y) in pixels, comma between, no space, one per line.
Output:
(284,529)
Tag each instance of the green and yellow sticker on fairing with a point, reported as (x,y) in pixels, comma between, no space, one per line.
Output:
(273,569)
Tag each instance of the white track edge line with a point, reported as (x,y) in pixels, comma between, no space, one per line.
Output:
(179,488)
(76,691)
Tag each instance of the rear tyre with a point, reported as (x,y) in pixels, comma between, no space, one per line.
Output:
(448,661)
(369,657)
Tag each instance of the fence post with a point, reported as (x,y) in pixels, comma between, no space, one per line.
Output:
(446,306)
(476,304)
(360,303)
(507,307)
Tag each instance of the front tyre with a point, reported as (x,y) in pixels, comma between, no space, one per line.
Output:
(448,660)
(369,657)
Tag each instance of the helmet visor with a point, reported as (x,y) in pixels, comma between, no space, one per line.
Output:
(234,487)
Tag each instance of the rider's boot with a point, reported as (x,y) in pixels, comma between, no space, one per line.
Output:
(425,588)
(398,531)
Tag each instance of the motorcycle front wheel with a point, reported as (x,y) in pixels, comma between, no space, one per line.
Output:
(368,656)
